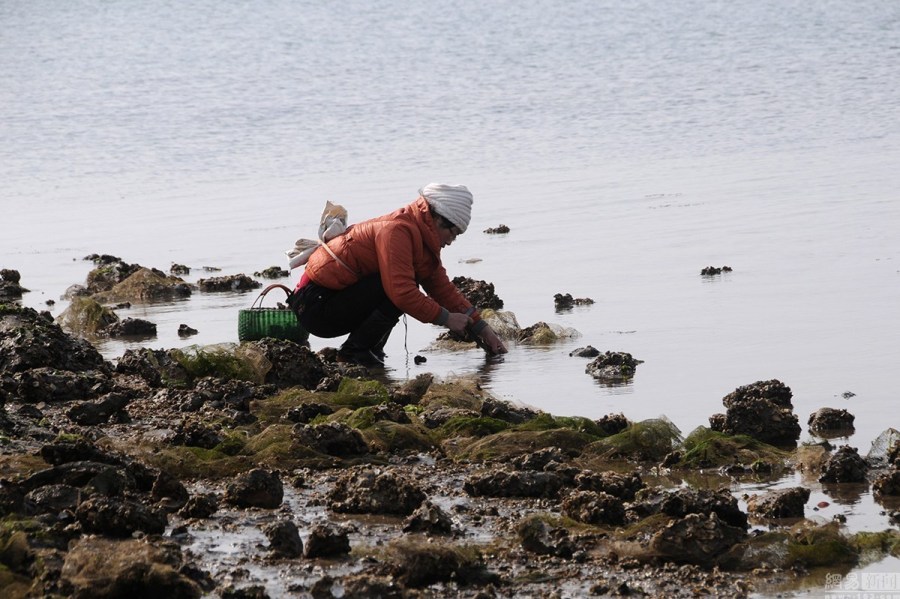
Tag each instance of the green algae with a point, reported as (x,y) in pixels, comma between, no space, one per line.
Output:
(469,426)
(511,443)
(544,422)
(706,448)
(648,440)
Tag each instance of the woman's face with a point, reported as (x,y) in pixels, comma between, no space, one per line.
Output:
(447,232)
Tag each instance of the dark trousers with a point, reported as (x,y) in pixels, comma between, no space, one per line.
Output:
(328,313)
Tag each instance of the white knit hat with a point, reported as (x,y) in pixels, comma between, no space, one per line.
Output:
(453,202)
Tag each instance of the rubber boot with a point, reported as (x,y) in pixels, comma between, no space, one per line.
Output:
(365,345)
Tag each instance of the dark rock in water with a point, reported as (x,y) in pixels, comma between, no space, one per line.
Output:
(200,506)
(612,424)
(29,339)
(887,484)
(429,518)
(497,230)
(773,390)
(516,483)
(592,507)
(332,438)
(480,293)
(103,568)
(762,410)
(273,272)
(696,539)
(119,518)
(585,352)
(831,419)
(132,327)
(144,285)
(256,488)
(845,466)
(682,502)
(372,491)
(110,271)
(710,271)
(326,540)
(10,290)
(229,283)
(539,537)
(179,270)
(565,301)
(186,331)
(8,275)
(91,413)
(284,539)
(613,367)
(780,503)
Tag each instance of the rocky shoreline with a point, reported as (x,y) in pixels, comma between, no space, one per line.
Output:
(264,469)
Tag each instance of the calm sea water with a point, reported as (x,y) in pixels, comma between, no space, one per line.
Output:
(626,145)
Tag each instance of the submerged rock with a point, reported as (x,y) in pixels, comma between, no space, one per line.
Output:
(284,539)
(240,282)
(613,367)
(830,420)
(565,301)
(845,466)
(326,540)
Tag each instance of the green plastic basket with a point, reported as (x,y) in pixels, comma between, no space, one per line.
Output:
(257,322)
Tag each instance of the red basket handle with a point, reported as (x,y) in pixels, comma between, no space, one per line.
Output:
(267,290)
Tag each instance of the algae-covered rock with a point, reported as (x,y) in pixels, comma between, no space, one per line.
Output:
(508,444)
(145,285)
(706,448)
(420,564)
(106,569)
(332,438)
(646,440)
(819,546)
(86,317)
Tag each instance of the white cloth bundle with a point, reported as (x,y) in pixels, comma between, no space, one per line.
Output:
(332,224)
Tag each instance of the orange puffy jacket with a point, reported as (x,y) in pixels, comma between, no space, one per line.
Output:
(404,248)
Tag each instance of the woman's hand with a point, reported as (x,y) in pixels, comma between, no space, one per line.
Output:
(457,322)
(493,341)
